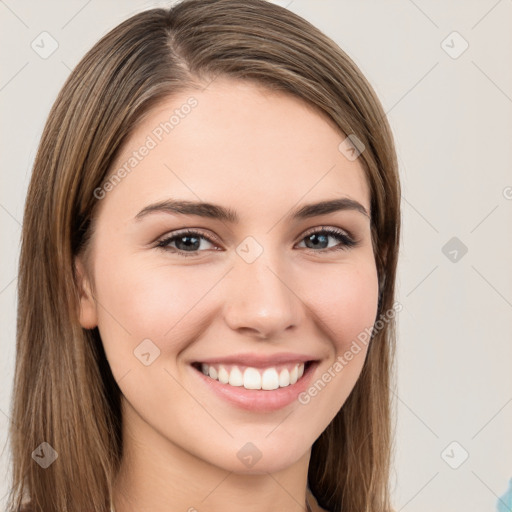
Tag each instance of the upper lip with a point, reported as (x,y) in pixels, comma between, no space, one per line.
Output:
(259,360)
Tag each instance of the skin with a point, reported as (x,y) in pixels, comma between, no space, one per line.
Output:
(261,153)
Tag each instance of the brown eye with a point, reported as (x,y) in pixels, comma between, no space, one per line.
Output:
(187,243)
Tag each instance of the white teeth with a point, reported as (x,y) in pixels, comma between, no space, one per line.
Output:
(293,375)
(284,378)
(235,377)
(270,379)
(253,378)
(223,375)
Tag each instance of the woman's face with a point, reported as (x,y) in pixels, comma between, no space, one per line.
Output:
(247,300)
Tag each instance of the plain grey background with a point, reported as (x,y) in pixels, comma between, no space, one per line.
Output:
(442,71)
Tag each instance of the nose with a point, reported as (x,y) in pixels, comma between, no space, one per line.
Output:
(260,299)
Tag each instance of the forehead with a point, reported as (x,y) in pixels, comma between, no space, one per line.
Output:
(239,144)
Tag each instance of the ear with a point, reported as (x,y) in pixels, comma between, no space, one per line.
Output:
(88,310)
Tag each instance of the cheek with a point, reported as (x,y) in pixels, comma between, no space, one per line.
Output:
(345,302)
(139,301)
(345,306)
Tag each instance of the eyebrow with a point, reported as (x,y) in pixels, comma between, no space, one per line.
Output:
(214,211)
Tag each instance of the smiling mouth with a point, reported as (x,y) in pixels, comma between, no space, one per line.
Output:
(269,378)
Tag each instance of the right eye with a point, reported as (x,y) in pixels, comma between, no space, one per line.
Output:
(187,242)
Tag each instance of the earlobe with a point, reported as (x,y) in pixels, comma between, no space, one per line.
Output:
(88,312)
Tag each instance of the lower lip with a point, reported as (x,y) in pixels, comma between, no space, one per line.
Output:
(257,399)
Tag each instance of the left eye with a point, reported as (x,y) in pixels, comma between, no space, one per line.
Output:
(318,237)
(187,243)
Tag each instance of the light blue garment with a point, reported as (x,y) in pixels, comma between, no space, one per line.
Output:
(504,504)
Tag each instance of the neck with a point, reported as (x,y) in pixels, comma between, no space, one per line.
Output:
(158,475)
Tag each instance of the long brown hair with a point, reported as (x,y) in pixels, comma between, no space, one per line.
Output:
(64,392)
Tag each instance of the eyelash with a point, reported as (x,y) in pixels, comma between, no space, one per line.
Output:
(346,241)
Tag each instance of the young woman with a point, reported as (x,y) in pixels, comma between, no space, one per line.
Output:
(206,285)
